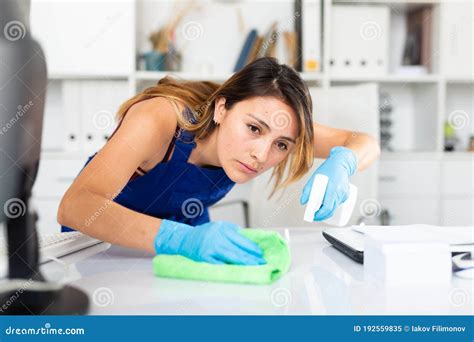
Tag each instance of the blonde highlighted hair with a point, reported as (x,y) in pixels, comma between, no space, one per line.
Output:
(263,77)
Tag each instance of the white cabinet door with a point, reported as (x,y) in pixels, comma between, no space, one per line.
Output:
(457,177)
(412,210)
(86,38)
(409,177)
(457,212)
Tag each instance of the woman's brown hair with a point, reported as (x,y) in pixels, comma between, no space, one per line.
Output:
(263,77)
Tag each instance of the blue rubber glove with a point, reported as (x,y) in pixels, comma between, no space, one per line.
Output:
(338,167)
(214,242)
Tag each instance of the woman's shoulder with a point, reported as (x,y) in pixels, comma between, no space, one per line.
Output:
(154,110)
(152,116)
(152,121)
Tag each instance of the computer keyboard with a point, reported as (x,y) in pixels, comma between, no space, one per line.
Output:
(54,245)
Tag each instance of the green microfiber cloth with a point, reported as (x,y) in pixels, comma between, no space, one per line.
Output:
(275,252)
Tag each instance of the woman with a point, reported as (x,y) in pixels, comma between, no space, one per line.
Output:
(189,142)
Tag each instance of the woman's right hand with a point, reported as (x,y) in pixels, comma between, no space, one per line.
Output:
(214,242)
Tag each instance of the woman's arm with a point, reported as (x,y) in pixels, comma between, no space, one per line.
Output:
(365,147)
(87,205)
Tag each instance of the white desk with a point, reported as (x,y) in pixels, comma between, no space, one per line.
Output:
(321,281)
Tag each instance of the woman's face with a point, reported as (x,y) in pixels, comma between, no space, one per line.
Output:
(254,135)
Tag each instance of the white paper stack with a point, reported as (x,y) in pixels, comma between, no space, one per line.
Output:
(399,258)
(459,238)
(413,254)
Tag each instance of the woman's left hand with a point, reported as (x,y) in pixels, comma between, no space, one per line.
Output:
(338,167)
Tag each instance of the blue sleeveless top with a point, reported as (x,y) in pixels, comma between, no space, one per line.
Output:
(175,189)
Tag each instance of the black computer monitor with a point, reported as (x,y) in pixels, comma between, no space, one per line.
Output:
(23,83)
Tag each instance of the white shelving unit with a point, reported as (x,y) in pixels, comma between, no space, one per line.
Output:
(71,106)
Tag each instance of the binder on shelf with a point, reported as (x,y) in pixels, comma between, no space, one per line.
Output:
(72,109)
(90,108)
(94,116)
(54,134)
(254,52)
(359,40)
(268,42)
(311,35)
(291,55)
(98,117)
(426,37)
(246,49)
(456,38)
(257,46)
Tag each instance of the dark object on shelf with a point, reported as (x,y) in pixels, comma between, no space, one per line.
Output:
(385,111)
(385,136)
(173,59)
(450,138)
(385,123)
(385,217)
(162,61)
(471,144)
(411,52)
(299,35)
(165,55)
(154,60)
(448,146)
(417,48)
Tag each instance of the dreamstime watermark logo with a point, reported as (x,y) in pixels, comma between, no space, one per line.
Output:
(384,105)
(103,296)
(192,30)
(459,297)
(107,25)
(280,119)
(201,109)
(287,201)
(370,208)
(183,307)
(286,26)
(21,110)
(6,304)
(101,210)
(46,330)
(14,208)
(370,30)
(280,297)
(14,30)
(192,208)
(458,119)
(103,119)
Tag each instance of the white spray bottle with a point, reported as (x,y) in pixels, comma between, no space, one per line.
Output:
(341,215)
